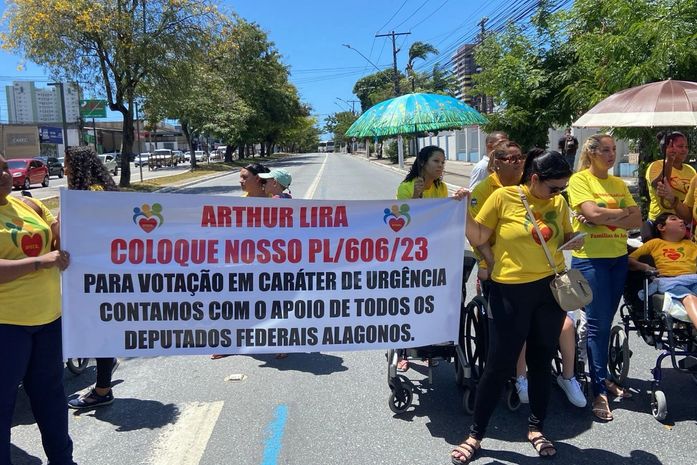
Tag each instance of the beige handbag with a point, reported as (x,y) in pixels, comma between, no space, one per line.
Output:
(569,288)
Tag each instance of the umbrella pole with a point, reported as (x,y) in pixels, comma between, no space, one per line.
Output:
(400,152)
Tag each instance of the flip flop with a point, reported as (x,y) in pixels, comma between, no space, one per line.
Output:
(466,451)
(543,446)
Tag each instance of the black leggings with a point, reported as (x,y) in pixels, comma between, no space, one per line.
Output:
(104,367)
(519,313)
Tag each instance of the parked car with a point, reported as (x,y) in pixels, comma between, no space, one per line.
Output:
(142,159)
(28,171)
(109,160)
(200,155)
(161,158)
(178,156)
(55,165)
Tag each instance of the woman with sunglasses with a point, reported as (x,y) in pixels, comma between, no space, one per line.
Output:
(678,173)
(522,306)
(607,210)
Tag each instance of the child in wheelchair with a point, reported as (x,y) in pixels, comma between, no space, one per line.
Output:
(675,260)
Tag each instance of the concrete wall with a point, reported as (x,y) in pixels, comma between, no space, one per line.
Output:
(19,141)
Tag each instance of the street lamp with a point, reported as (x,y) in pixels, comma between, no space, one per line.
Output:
(364,57)
(65,123)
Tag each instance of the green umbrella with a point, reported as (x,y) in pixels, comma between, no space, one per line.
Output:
(414,113)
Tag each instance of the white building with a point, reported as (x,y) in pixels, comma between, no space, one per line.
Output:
(28,104)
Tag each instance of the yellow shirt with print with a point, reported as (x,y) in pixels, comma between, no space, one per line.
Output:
(406,191)
(479,194)
(671,258)
(690,198)
(600,241)
(34,298)
(518,256)
(679,181)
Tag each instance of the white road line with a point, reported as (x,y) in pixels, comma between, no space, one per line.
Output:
(313,187)
(184,442)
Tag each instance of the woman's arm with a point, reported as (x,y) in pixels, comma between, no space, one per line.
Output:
(631,221)
(477,234)
(636,265)
(601,215)
(14,269)
(684,211)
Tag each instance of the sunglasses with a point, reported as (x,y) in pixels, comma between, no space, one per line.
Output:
(513,159)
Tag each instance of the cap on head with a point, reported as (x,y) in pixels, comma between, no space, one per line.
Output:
(281,176)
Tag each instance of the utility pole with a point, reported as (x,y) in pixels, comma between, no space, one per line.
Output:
(482,31)
(394,57)
(63,119)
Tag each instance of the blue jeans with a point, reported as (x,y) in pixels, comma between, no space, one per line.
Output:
(606,277)
(34,354)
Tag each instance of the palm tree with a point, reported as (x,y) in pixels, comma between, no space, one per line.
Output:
(418,50)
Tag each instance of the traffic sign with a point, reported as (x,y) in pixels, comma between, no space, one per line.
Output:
(93,108)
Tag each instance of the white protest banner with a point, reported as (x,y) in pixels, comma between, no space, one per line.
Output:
(171,274)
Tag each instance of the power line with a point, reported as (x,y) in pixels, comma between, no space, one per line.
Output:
(432,13)
(392,17)
(411,15)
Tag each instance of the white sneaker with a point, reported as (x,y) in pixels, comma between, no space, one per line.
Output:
(573,391)
(521,385)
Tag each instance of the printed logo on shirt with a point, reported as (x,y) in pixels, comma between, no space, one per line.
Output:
(674,254)
(148,217)
(397,217)
(547,225)
(28,235)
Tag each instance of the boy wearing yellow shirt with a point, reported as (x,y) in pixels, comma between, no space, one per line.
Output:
(674,256)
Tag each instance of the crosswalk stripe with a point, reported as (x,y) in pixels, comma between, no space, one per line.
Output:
(184,442)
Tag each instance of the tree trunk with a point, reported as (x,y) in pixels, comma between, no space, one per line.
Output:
(126,145)
(228,154)
(187,135)
(263,149)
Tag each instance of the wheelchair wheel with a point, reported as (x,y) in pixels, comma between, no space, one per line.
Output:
(459,371)
(476,336)
(659,405)
(512,399)
(468,401)
(618,355)
(77,365)
(400,398)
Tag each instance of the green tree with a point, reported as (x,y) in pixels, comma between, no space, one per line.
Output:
(111,43)
(418,50)
(338,124)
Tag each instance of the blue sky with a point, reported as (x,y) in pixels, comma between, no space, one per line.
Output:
(309,35)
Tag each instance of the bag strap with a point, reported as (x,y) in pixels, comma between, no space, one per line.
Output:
(34,206)
(543,243)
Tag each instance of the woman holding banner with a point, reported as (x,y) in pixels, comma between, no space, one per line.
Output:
(86,172)
(521,302)
(30,323)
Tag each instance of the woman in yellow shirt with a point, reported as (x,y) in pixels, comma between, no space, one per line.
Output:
(521,302)
(676,170)
(424,179)
(609,210)
(30,323)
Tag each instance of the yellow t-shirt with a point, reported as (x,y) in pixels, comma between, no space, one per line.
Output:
(671,258)
(690,198)
(518,257)
(32,299)
(601,241)
(679,181)
(406,191)
(479,194)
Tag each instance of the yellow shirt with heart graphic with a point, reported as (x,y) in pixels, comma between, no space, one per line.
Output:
(679,181)
(600,241)
(34,298)
(670,258)
(518,256)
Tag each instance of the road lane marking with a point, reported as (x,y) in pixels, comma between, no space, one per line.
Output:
(275,429)
(313,187)
(184,442)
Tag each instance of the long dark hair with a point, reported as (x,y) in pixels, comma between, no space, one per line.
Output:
(546,164)
(85,170)
(421,160)
(256,168)
(666,138)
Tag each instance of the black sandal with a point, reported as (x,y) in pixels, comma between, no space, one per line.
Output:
(466,451)
(543,446)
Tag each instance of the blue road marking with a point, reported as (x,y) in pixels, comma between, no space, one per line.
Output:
(274,430)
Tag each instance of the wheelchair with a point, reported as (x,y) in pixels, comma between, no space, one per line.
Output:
(402,389)
(675,339)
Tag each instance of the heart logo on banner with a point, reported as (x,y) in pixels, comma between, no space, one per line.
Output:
(396,224)
(147,224)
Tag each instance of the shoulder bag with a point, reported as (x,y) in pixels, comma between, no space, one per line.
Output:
(569,288)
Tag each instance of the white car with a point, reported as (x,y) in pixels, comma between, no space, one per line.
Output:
(142,159)
(109,161)
(200,155)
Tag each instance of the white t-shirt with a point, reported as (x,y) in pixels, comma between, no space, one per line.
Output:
(479,172)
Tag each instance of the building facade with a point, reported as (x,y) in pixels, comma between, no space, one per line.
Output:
(464,69)
(28,104)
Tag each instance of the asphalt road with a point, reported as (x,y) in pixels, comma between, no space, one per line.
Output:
(317,409)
